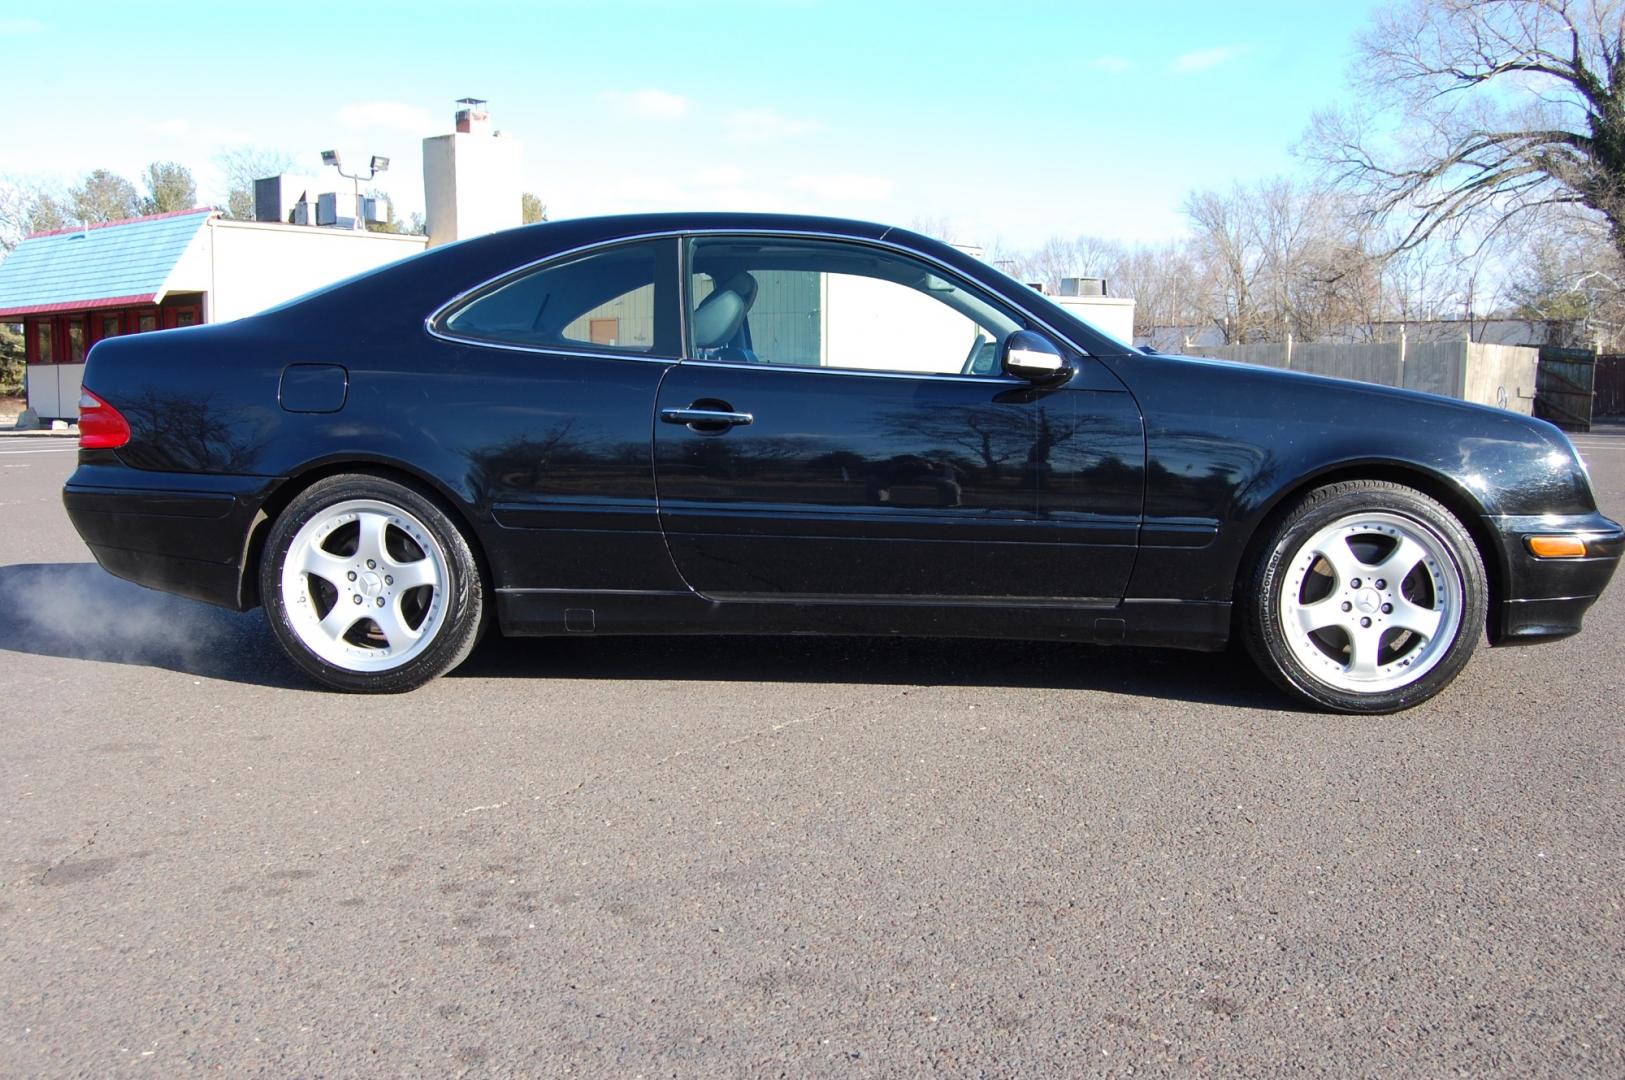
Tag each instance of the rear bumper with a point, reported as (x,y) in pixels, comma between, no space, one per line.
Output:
(1543,599)
(182,533)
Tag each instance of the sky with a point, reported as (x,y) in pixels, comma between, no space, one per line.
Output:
(1014,122)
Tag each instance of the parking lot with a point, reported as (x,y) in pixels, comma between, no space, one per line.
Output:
(804,857)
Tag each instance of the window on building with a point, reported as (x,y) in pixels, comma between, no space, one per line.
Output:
(43,352)
(76,341)
(108,326)
(146,321)
(605,300)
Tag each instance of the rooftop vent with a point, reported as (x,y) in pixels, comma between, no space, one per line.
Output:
(1083,286)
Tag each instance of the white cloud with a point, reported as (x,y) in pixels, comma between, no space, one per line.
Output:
(846,187)
(1203,59)
(760,125)
(657,104)
(180,129)
(635,190)
(394,115)
(721,176)
(14,27)
(1114,64)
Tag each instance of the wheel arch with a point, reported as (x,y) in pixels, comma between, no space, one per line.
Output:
(424,484)
(1441,488)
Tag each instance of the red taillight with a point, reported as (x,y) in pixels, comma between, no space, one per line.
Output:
(101,427)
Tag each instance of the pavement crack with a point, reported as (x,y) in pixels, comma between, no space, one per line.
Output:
(89,842)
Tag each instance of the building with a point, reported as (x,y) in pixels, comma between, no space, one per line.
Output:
(1085,297)
(471,178)
(73,287)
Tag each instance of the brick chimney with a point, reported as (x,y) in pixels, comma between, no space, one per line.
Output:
(473,116)
(470,177)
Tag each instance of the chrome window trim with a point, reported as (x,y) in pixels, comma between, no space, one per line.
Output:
(734,365)
(548,350)
(682,273)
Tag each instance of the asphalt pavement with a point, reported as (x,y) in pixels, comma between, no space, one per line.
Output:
(804,857)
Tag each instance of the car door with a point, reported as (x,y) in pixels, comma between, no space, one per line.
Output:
(550,376)
(841,431)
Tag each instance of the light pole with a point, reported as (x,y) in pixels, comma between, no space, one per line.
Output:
(377,165)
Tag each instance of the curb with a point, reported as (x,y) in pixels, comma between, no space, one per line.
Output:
(12,433)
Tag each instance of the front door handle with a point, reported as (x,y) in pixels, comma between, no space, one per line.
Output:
(707,417)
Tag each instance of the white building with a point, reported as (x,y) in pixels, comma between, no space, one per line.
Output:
(71,288)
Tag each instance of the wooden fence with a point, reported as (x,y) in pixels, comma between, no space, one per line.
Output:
(1564,386)
(1609,388)
(1500,375)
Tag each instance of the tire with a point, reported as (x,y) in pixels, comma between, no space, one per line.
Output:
(1366,597)
(369,587)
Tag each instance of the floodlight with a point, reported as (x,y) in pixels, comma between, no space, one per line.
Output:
(379,164)
(330,157)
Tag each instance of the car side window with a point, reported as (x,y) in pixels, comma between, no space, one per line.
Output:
(603,300)
(813,303)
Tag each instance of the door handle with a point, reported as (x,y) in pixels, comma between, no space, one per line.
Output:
(719,417)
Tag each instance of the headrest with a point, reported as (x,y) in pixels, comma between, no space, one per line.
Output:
(720,315)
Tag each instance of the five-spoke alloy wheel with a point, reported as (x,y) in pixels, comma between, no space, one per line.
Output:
(369,586)
(1367,597)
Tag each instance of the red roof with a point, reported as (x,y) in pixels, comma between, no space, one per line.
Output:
(82,305)
(121,221)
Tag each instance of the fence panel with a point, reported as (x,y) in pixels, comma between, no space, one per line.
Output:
(1563,387)
(1437,367)
(1609,386)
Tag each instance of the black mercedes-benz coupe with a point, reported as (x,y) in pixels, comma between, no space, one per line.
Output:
(718,423)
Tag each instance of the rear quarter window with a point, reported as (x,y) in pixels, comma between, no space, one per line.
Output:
(605,299)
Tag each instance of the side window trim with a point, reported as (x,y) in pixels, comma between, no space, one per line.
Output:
(685,276)
(667,346)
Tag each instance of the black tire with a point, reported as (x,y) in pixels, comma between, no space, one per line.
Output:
(1292,584)
(409,534)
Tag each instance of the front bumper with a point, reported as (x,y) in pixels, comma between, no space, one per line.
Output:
(183,533)
(1543,599)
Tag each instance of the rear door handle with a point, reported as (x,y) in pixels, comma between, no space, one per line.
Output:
(705,416)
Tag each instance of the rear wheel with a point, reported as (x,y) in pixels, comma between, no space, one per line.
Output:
(369,586)
(1368,597)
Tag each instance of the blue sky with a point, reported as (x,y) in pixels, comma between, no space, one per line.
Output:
(1013,121)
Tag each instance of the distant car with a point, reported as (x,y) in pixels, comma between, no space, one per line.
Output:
(725,424)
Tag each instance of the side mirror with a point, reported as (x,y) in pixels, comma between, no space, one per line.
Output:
(1033,356)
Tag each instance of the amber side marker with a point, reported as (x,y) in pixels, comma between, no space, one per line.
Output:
(1558,547)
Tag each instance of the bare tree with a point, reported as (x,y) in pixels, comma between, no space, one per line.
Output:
(50,211)
(1420,284)
(105,196)
(16,208)
(1059,257)
(169,187)
(1226,240)
(941,227)
(240,166)
(1480,113)
(1166,285)
(1573,282)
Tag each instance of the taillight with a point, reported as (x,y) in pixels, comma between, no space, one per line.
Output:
(101,427)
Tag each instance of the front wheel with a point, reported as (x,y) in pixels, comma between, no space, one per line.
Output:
(1367,597)
(369,587)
